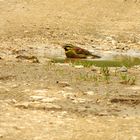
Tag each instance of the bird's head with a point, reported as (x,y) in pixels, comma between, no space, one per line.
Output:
(67,47)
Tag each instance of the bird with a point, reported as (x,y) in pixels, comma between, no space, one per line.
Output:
(72,51)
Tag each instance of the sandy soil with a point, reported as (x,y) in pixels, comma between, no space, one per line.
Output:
(45,100)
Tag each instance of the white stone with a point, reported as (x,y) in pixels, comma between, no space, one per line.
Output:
(79,66)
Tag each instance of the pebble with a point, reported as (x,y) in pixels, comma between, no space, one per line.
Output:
(43,99)
(49,99)
(40,91)
(89,93)
(24,105)
(123,69)
(79,100)
(52,106)
(79,66)
(62,64)
(68,94)
(37,98)
(37,105)
(63,84)
(32,59)
(94,68)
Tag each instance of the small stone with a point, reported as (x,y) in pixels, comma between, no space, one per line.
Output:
(134,138)
(63,84)
(68,88)
(79,66)
(62,64)
(109,38)
(114,42)
(24,105)
(49,99)
(94,68)
(15,86)
(98,101)
(89,93)
(32,59)
(37,98)
(40,91)
(79,100)
(67,94)
(53,106)
(13,101)
(123,69)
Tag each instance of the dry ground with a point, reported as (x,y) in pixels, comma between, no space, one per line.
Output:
(40,101)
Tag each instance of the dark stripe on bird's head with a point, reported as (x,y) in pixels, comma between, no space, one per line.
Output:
(67,47)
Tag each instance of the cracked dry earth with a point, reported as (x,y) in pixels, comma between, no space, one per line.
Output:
(52,101)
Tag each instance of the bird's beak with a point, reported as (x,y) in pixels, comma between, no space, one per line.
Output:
(63,46)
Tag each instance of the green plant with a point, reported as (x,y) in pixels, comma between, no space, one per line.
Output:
(132,80)
(127,79)
(106,73)
(49,66)
(83,63)
(88,77)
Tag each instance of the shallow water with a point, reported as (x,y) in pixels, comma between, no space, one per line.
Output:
(114,61)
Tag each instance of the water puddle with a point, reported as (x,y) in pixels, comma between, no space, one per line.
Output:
(114,61)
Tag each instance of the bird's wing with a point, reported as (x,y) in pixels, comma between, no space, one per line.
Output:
(73,54)
(82,51)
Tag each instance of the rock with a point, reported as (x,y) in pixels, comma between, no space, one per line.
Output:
(1,136)
(53,106)
(135,138)
(123,69)
(7,77)
(49,99)
(94,68)
(136,67)
(38,106)
(114,42)
(43,99)
(40,91)
(44,106)
(79,100)
(89,93)
(11,101)
(122,46)
(37,98)
(109,38)
(67,94)
(79,66)
(15,86)
(23,105)
(62,64)
(62,84)
(32,59)
(17,51)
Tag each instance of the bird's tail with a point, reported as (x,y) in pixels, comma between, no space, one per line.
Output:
(95,56)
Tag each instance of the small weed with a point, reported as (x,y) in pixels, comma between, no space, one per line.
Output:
(49,66)
(88,77)
(107,94)
(115,73)
(83,63)
(106,73)
(126,79)
(132,80)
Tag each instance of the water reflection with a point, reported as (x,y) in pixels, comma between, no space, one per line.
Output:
(114,61)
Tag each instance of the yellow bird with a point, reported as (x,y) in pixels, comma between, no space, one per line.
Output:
(72,51)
